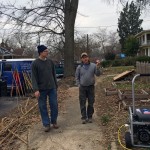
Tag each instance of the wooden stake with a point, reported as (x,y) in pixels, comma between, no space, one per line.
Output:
(17,136)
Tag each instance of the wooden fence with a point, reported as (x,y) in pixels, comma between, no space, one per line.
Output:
(143,68)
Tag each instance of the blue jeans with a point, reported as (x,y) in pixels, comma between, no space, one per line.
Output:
(53,104)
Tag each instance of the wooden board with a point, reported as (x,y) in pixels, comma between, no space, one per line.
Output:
(110,91)
(123,74)
(127,94)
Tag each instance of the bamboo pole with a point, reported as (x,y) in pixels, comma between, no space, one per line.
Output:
(28,81)
(20,85)
(26,85)
(17,136)
(8,136)
(13,122)
(16,82)
(17,89)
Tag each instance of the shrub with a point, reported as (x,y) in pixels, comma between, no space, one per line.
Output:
(106,63)
(143,58)
(105,119)
(118,62)
(109,56)
(128,61)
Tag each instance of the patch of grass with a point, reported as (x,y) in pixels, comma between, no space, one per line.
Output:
(119,69)
(137,85)
(125,86)
(109,147)
(105,119)
(108,79)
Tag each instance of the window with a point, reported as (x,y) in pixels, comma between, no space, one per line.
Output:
(148,38)
(7,67)
(146,51)
(143,38)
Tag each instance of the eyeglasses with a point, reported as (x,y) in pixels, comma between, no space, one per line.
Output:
(45,51)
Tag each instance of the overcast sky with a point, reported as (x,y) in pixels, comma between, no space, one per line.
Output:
(94,14)
(97,13)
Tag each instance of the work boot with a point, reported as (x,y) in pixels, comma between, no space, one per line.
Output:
(55,126)
(47,128)
(83,121)
(90,120)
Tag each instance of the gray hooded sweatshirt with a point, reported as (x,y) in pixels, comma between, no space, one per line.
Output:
(85,74)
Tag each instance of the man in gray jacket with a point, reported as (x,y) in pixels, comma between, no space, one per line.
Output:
(85,79)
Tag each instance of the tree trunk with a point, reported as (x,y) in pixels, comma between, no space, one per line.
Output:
(71,7)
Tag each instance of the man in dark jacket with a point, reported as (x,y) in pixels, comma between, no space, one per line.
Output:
(85,79)
(44,84)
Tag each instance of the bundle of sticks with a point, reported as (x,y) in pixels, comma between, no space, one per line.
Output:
(27,82)
(21,83)
(13,126)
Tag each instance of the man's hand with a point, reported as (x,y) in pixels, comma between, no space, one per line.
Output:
(37,94)
(98,63)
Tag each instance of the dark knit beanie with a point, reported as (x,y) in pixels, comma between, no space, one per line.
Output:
(41,48)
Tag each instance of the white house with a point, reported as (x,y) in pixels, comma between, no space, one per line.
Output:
(144,41)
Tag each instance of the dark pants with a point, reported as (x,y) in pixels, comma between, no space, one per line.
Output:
(86,92)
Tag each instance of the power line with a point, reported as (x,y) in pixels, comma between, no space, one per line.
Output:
(97,26)
(75,27)
(106,26)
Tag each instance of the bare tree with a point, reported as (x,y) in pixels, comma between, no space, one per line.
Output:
(113,40)
(102,38)
(143,4)
(108,41)
(22,40)
(46,16)
(87,43)
(80,45)
(70,16)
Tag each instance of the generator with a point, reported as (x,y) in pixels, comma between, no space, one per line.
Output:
(138,133)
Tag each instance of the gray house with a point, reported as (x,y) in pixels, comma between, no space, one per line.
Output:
(8,54)
(4,53)
(144,41)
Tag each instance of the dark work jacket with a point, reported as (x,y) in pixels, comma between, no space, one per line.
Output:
(43,75)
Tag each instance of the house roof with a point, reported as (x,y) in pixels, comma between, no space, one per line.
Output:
(4,51)
(142,32)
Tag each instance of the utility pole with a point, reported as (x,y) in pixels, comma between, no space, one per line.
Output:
(39,38)
(87,43)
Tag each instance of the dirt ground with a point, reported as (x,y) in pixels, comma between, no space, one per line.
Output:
(102,134)
(112,115)
(72,134)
